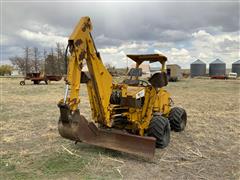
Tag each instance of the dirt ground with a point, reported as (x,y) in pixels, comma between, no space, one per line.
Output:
(31,147)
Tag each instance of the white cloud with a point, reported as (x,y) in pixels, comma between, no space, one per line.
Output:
(179,53)
(203,45)
(116,55)
(208,47)
(201,34)
(158,52)
(162,45)
(111,50)
(177,56)
(44,39)
(202,55)
(134,46)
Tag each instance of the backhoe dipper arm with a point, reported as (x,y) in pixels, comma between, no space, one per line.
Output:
(82,47)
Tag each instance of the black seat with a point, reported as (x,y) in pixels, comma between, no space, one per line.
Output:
(158,80)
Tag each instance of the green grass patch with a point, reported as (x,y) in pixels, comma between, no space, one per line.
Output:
(9,171)
(6,166)
(61,163)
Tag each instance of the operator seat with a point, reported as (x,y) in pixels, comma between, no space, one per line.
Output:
(158,80)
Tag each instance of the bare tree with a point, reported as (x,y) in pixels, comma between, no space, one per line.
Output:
(26,56)
(51,64)
(59,55)
(36,59)
(19,62)
(60,58)
(44,60)
(44,54)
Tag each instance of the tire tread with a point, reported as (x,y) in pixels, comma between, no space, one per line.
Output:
(160,129)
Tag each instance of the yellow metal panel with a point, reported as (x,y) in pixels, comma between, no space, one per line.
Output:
(92,100)
(162,102)
(73,79)
(133,90)
(82,48)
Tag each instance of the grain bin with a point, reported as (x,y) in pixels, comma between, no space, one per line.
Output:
(198,68)
(217,68)
(236,67)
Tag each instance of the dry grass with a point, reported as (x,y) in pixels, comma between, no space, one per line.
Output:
(32,149)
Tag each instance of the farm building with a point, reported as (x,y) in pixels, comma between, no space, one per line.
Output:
(198,68)
(236,67)
(174,72)
(217,68)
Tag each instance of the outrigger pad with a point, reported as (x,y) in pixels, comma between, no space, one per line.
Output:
(83,131)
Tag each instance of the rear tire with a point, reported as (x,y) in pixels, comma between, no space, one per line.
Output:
(178,119)
(36,82)
(22,83)
(159,128)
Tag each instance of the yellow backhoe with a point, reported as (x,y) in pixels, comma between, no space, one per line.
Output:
(133,116)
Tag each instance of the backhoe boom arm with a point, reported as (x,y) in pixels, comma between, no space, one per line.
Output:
(82,48)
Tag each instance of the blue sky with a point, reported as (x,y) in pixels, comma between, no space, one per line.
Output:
(183,31)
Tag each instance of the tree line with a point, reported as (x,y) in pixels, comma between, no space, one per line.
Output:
(5,70)
(34,60)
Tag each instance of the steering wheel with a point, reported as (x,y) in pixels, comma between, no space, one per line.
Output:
(144,83)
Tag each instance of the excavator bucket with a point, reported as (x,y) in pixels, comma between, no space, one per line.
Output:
(75,127)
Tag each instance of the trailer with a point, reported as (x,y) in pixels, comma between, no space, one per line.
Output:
(36,78)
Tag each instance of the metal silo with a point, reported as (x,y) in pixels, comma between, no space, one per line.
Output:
(236,67)
(217,68)
(198,68)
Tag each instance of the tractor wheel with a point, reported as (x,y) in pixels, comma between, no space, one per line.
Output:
(159,128)
(22,83)
(36,82)
(178,119)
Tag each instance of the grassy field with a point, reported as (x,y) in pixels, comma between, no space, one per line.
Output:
(31,147)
